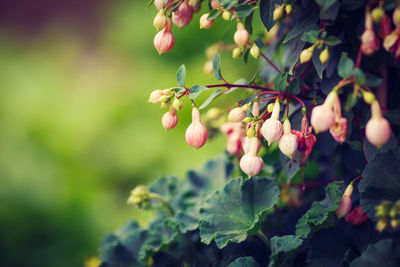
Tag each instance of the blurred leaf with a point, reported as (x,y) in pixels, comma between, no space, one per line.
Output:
(244,262)
(267,8)
(196,90)
(180,76)
(359,76)
(244,11)
(318,214)
(281,247)
(216,66)
(332,40)
(232,214)
(372,80)
(355,145)
(311,36)
(294,86)
(211,98)
(305,24)
(346,65)
(259,43)
(325,4)
(213,14)
(227,4)
(380,181)
(383,253)
(370,150)
(248,23)
(319,67)
(280,81)
(351,102)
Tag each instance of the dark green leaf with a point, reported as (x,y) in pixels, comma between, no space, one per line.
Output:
(196,90)
(244,10)
(216,66)
(294,86)
(380,181)
(318,214)
(213,14)
(325,4)
(294,48)
(370,150)
(359,76)
(180,76)
(248,23)
(244,262)
(281,247)
(351,101)
(211,98)
(355,145)
(372,80)
(311,36)
(280,81)
(305,24)
(319,67)
(227,4)
(383,253)
(259,43)
(233,213)
(267,8)
(346,65)
(332,41)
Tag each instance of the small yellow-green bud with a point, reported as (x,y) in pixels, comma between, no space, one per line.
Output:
(247,120)
(251,132)
(381,225)
(177,104)
(368,97)
(139,196)
(270,107)
(278,12)
(324,56)
(395,223)
(255,51)
(306,54)
(213,113)
(227,15)
(164,98)
(164,105)
(237,52)
(288,9)
(378,14)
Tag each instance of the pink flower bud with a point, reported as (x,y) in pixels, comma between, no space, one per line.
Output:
(272,128)
(241,36)
(322,116)
(183,15)
(288,142)
(170,119)
(247,143)
(155,97)
(369,42)
(214,4)
(338,129)
(345,204)
(250,163)
(164,40)
(238,114)
(306,141)
(204,22)
(256,109)
(159,3)
(234,143)
(378,129)
(356,216)
(196,134)
(229,128)
(160,20)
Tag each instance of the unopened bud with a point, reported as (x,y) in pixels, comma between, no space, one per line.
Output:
(241,36)
(183,15)
(324,56)
(368,97)
(255,51)
(288,9)
(139,196)
(270,107)
(378,129)
(170,119)
(159,4)
(278,12)
(177,104)
(381,225)
(251,132)
(208,67)
(377,14)
(236,114)
(227,15)
(204,22)
(247,120)
(164,98)
(155,97)
(164,40)
(395,223)
(288,142)
(396,17)
(306,54)
(160,20)
(196,134)
(164,105)
(237,52)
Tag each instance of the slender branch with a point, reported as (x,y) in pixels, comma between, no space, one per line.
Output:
(164,202)
(305,70)
(357,178)
(264,238)
(359,57)
(270,62)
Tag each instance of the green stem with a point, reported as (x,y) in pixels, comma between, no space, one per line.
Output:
(264,238)
(164,202)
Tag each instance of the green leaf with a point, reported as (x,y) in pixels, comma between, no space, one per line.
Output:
(244,10)
(380,181)
(211,98)
(196,90)
(228,3)
(311,36)
(325,4)
(248,23)
(372,80)
(233,213)
(280,81)
(318,214)
(359,76)
(346,66)
(350,102)
(332,41)
(180,76)
(355,145)
(370,150)
(383,253)
(305,24)
(294,86)
(319,67)
(216,66)
(244,262)
(213,14)
(267,8)
(281,248)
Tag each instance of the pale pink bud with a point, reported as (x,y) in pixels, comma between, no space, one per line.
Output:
(164,40)
(196,134)
(322,116)
(241,36)
(288,142)
(256,109)
(378,129)
(356,216)
(250,163)
(159,3)
(170,119)
(160,20)
(229,128)
(155,97)
(214,4)
(247,143)
(272,128)
(369,42)
(205,23)
(234,143)
(345,204)
(183,15)
(208,67)
(338,129)
(238,114)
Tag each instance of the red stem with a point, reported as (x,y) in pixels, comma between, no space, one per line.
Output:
(357,178)
(359,57)
(270,62)
(305,71)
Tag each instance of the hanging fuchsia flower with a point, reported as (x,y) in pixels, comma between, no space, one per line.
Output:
(369,42)
(356,216)
(205,23)
(234,133)
(238,114)
(250,163)
(345,204)
(170,119)
(164,40)
(247,142)
(322,116)
(378,129)
(272,128)
(196,134)
(241,36)
(288,142)
(338,129)
(306,140)
(183,15)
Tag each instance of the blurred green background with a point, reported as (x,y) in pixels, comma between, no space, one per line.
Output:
(76,131)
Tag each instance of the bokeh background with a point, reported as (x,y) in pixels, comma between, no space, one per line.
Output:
(76,131)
